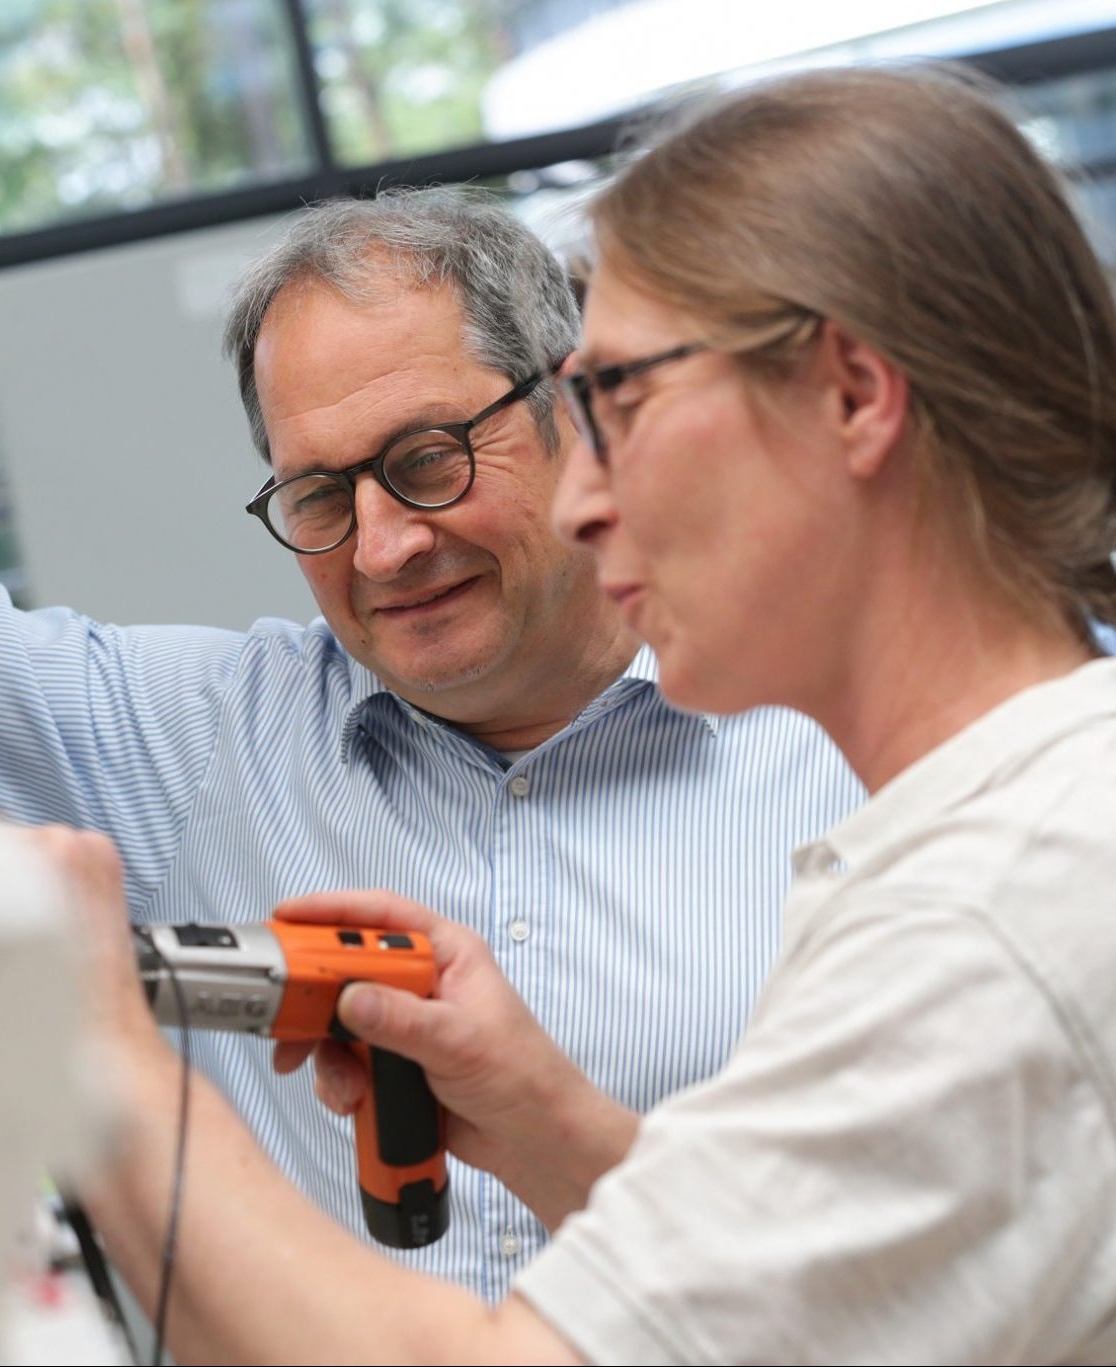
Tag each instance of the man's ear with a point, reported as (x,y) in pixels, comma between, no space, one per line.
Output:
(871,398)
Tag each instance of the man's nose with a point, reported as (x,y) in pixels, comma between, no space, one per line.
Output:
(388,533)
(583,506)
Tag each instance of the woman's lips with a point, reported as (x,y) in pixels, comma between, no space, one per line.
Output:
(625,596)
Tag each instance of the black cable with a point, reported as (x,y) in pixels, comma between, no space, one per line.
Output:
(167,1261)
(96,1267)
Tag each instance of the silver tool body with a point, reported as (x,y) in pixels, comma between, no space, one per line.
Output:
(231,978)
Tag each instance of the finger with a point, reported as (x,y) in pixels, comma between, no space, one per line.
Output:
(289,1056)
(416,1027)
(380,909)
(339,1079)
(91,875)
(375,907)
(90,859)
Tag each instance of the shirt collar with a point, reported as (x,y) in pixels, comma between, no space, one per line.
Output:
(365,686)
(974,759)
(645,667)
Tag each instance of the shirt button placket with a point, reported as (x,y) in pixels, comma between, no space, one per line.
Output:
(518,929)
(509,1243)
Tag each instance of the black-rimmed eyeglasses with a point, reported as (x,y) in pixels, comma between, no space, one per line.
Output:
(431,468)
(577,390)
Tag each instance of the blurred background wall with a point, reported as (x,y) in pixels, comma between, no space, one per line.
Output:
(126,449)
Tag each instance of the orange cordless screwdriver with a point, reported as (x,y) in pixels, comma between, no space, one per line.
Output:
(282,979)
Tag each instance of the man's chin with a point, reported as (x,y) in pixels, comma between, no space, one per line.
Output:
(443,682)
(425,686)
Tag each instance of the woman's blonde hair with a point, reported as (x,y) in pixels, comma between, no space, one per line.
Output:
(906,205)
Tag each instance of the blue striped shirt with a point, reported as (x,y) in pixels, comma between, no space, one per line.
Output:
(627,874)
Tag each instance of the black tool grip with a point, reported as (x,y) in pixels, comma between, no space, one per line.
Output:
(401,1156)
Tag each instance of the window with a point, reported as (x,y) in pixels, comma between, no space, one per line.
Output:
(115,104)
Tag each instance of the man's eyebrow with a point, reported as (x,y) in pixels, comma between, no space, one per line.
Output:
(435,416)
(425,419)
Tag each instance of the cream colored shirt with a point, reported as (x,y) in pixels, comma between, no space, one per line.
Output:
(911,1157)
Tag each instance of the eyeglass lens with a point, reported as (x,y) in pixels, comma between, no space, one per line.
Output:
(427,469)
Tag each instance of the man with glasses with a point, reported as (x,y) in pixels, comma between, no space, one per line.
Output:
(468,723)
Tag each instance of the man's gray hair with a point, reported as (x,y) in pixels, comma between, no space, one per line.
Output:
(519,307)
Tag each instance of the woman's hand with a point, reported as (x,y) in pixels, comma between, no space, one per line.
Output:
(90,868)
(517,1106)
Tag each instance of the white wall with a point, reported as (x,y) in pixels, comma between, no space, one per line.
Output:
(125,444)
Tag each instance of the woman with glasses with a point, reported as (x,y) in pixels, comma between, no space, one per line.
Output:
(847,397)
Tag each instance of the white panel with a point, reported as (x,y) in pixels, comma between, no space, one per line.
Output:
(126,447)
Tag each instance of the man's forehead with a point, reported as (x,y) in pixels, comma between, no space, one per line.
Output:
(380,291)
(314,335)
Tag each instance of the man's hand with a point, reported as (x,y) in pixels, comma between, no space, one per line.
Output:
(518,1107)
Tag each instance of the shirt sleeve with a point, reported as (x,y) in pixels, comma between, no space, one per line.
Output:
(907,1160)
(109,728)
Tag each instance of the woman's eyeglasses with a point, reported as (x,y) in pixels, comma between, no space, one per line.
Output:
(577,390)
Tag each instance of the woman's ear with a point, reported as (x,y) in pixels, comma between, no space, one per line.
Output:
(870,397)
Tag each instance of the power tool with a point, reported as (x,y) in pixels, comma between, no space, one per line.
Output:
(282,979)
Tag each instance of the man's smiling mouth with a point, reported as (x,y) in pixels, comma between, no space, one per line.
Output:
(430,599)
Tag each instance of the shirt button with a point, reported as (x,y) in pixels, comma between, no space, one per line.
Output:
(520,785)
(518,931)
(509,1244)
